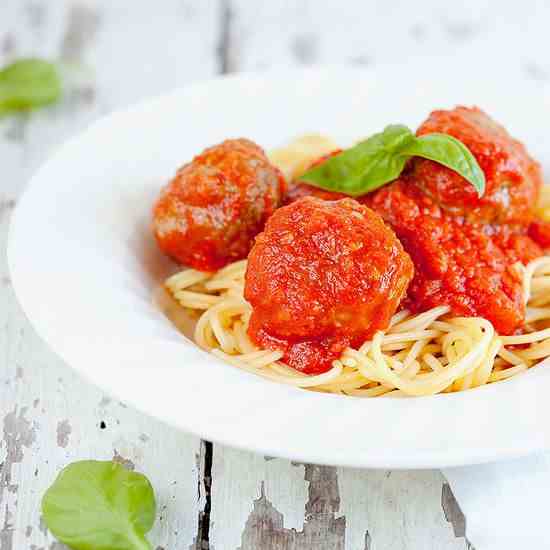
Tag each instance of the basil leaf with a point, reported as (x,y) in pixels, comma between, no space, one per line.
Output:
(450,152)
(96,505)
(381,159)
(364,167)
(28,83)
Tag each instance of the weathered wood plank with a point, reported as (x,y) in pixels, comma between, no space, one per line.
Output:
(115,53)
(267,34)
(275,504)
(400,510)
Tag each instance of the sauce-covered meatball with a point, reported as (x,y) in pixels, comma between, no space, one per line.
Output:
(513,178)
(467,266)
(323,276)
(465,247)
(209,214)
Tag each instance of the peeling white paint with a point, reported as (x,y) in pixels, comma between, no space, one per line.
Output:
(64,430)
(18,434)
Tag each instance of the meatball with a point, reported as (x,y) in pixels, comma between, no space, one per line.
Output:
(467,266)
(210,212)
(513,178)
(323,276)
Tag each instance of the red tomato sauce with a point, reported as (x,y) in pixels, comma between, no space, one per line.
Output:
(468,266)
(321,277)
(513,178)
(539,231)
(464,247)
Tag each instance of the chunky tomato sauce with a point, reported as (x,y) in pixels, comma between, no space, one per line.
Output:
(513,178)
(539,231)
(464,247)
(468,266)
(323,276)
(328,273)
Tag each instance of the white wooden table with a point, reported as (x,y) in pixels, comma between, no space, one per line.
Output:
(211,496)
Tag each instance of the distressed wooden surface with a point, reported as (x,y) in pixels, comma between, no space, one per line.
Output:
(211,496)
(48,415)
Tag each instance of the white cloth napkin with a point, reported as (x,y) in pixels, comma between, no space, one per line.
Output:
(506,505)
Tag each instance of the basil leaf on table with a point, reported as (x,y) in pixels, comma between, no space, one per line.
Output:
(381,158)
(96,505)
(27,84)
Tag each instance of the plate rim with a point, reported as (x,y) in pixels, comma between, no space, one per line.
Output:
(443,458)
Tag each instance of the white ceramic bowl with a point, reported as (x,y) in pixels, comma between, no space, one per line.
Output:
(84,266)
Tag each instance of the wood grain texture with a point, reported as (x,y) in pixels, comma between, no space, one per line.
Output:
(277,504)
(111,56)
(115,53)
(284,32)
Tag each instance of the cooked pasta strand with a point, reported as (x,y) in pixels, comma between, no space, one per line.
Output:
(422,354)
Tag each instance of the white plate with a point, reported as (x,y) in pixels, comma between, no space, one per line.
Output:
(84,267)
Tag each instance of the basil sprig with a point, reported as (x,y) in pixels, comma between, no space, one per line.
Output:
(100,506)
(27,84)
(381,158)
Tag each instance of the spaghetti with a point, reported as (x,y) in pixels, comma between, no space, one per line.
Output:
(421,354)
